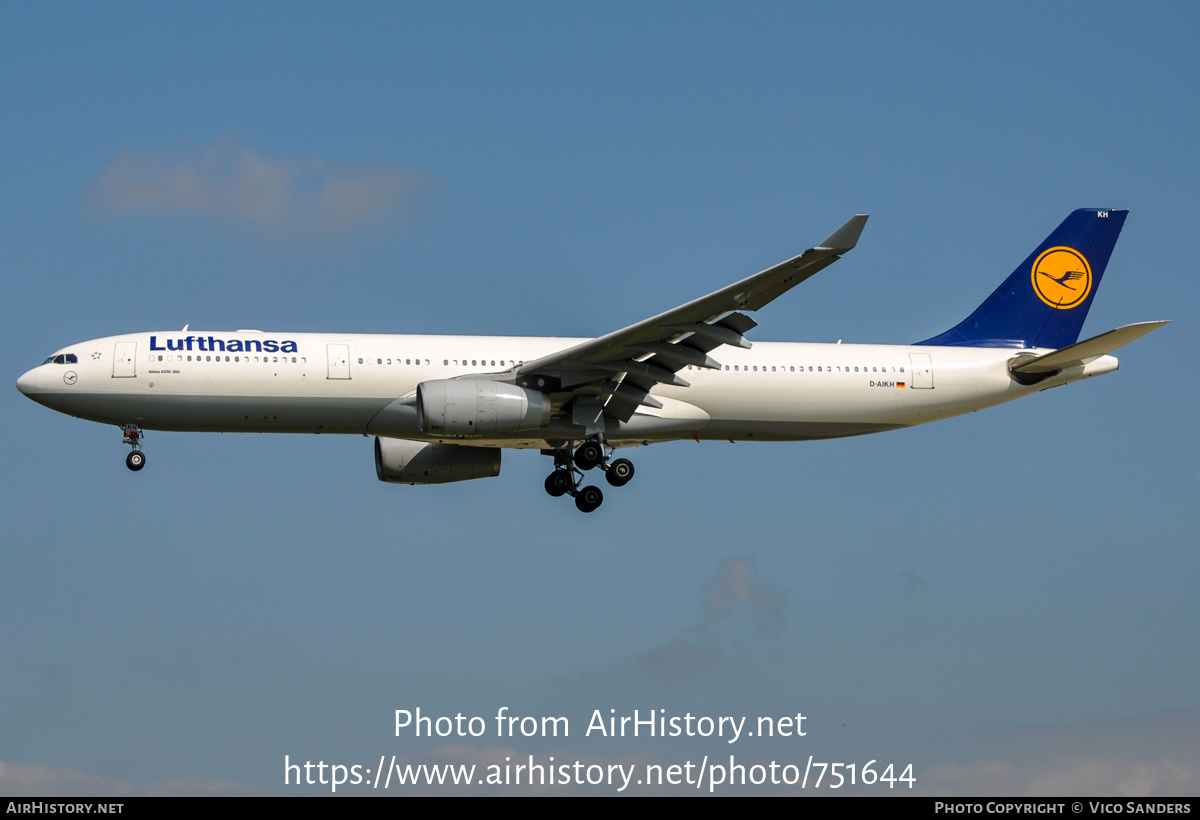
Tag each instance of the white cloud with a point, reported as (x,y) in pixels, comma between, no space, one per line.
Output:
(1064,777)
(276,195)
(737,614)
(1151,755)
(733,593)
(36,780)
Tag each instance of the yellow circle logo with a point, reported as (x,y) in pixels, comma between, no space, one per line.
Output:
(1062,278)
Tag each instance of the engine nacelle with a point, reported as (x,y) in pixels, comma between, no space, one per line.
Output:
(399,461)
(478,407)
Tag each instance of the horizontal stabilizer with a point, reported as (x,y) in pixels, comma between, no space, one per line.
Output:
(1088,350)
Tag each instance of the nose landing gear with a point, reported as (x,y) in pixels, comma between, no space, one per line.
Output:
(136,460)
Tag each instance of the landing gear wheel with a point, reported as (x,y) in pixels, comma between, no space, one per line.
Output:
(135,460)
(588,499)
(619,472)
(559,483)
(589,454)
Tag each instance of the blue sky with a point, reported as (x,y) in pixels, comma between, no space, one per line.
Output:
(1004,600)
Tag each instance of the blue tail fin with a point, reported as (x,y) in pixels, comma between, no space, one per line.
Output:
(1045,300)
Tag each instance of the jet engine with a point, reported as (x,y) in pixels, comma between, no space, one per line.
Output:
(478,407)
(399,461)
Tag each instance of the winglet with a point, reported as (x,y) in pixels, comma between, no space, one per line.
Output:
(845,237)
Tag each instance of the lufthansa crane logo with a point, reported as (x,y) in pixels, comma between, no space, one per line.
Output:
(1062,278)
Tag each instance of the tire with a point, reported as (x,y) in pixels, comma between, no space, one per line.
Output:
(589,454)
(588,499)
(619,472)
(135,460)
(558,483)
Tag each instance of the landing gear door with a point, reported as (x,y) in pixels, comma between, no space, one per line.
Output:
(124,360)
(339,361)
(922,370)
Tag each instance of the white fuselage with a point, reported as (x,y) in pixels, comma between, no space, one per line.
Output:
(348,383)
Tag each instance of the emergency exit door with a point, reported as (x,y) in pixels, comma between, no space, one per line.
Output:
(339,361)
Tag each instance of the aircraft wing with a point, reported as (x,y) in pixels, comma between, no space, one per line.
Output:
(622,367)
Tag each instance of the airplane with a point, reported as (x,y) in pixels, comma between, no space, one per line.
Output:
(441,408)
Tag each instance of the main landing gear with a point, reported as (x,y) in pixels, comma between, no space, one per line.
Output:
(569,470)
(136,460)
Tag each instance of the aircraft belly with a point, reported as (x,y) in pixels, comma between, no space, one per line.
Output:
(249,414)
(806,408)
(725,430)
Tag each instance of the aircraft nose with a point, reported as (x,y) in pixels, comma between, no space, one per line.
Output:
(27,384)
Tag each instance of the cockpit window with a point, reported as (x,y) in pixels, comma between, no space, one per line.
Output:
(48,360)
(72,359)
(63,358)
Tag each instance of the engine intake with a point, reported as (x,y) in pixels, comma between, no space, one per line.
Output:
(478,407)
(399,461)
